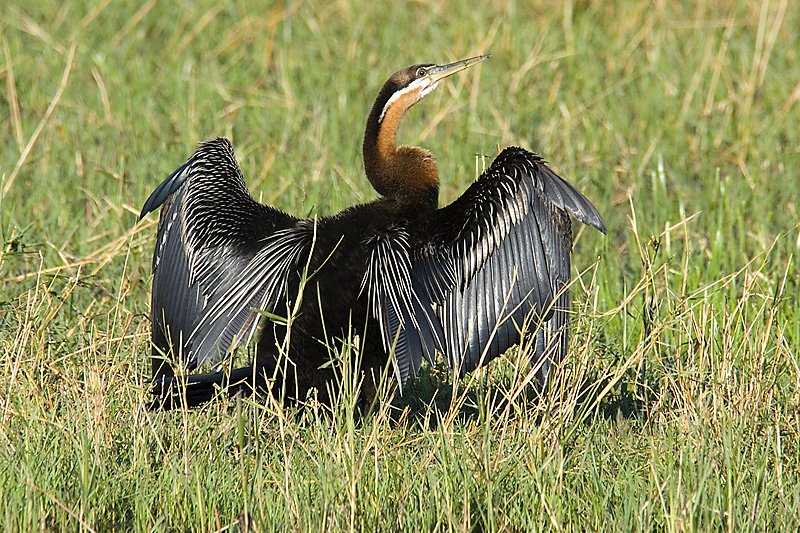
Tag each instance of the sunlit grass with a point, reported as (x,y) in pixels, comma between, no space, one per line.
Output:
(678,406)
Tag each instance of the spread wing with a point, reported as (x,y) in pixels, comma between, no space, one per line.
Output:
(487,263)
(220,255)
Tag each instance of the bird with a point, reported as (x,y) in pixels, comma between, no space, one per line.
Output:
(409,280)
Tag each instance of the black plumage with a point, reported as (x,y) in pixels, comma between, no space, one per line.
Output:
(410,279)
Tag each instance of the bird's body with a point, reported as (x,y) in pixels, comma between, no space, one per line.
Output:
(410,279)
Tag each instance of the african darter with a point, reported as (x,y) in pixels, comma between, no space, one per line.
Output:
(412,280)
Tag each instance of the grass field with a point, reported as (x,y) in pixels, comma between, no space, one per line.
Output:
(677,409)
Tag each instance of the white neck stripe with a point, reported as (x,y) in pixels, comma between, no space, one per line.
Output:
(423,85)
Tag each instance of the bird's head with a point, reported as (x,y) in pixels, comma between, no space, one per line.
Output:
(405,172)
(409,85)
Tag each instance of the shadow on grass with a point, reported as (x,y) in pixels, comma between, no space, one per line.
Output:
(431,396)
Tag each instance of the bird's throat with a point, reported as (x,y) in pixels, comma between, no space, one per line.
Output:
(404,173)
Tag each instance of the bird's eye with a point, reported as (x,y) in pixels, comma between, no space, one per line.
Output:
(421,72)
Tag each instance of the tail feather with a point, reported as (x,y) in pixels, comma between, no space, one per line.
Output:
(180,392)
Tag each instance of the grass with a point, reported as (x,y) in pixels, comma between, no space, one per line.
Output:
(677,409)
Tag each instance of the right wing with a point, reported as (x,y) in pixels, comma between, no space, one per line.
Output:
(220,256)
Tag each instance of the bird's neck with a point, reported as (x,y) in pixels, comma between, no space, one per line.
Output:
(405,173)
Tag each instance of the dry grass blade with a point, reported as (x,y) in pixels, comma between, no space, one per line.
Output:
(13,103)
(47,114)
(132,22)
(61,504)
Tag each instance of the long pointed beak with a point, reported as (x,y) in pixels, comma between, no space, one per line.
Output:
(438,73)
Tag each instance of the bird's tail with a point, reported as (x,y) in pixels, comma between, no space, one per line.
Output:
(180,392)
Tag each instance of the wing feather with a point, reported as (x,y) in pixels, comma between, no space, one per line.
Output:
(504,241)
(409,328)
(464,280)
(220,256)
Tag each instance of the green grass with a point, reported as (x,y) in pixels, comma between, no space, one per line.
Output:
(677,409)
